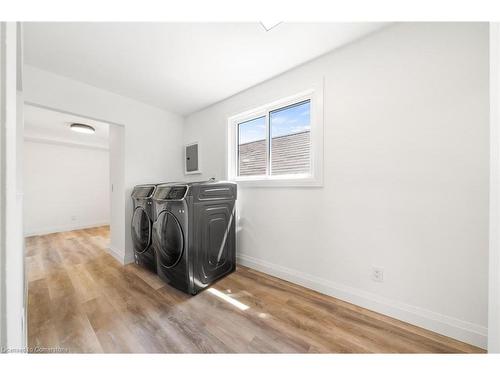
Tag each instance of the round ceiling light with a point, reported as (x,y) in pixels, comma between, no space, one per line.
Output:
(82,128)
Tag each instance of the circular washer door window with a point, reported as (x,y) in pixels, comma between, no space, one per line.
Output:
(141,230)
(170,239)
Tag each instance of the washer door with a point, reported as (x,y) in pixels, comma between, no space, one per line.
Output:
(170,239)
(141,230)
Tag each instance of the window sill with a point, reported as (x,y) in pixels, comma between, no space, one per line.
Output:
(278,182)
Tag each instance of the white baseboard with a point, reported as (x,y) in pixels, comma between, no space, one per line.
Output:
(128,258)
(120,257)
(63,228)
(446,325)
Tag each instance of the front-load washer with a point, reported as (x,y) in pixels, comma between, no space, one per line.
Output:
(194,233)
(142,225)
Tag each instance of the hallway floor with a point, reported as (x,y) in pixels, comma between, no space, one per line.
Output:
(83,300)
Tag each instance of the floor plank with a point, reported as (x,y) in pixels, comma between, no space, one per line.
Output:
(80,299)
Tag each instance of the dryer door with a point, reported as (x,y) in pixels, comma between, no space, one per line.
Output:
(169,239)
(141,230)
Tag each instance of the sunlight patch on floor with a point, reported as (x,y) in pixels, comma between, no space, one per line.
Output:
(228,299)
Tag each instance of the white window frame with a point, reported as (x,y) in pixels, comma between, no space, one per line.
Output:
(315,177)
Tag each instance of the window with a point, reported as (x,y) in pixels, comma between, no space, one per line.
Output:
(290,139)
(252,146)
(278,142)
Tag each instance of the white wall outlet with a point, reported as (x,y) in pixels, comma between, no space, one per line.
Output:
(377,274)
(73,218)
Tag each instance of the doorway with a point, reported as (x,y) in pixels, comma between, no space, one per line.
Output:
(66,172)
(74,209)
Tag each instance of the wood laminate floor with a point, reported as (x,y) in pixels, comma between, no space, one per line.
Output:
(82,300)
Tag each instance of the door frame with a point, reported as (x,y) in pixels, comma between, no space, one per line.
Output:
(3,340)
(12,287)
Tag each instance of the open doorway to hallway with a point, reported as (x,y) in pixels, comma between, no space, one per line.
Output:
(72,179)
(66,172)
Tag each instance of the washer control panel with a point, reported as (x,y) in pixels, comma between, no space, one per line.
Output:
(144,191)
(176,192)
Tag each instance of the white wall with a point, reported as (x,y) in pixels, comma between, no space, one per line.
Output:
(66,187)
(117,180)
(494,254)
(151,148)
(405,178)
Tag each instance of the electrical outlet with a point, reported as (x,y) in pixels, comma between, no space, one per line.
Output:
(73,218)
(377,274)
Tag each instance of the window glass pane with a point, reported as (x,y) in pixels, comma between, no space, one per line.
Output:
(290,139)
(252,147)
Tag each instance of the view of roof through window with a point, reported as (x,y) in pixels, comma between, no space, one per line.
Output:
(289,128)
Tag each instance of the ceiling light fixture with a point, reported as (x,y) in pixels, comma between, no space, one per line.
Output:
(268,25)
(82,128)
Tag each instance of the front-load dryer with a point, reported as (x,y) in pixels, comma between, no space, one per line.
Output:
(142,225)
(194,233)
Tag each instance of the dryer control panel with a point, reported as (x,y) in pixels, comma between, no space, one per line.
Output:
(171,192)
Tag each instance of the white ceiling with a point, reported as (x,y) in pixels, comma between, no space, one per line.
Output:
(46,125)
(181,67)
